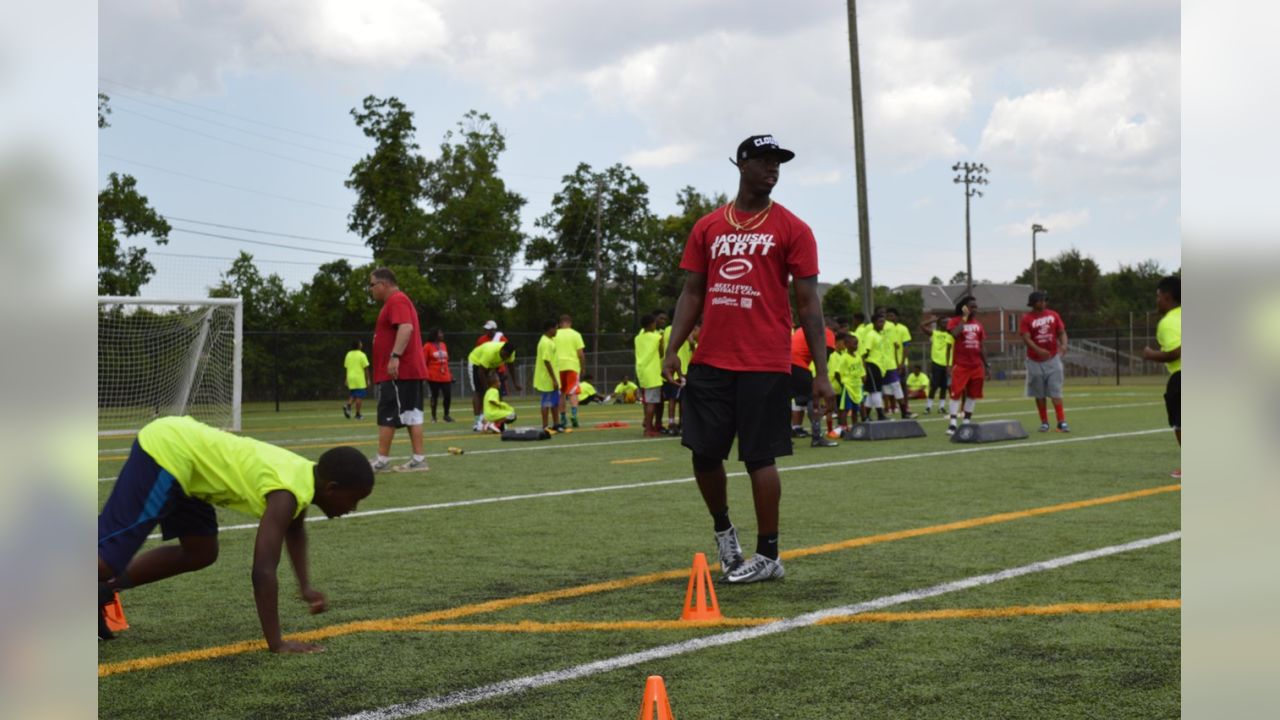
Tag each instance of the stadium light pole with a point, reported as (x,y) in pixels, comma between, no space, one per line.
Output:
(1035,271)
(970,174)
(860,163)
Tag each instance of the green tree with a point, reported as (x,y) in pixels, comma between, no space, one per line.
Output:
(389,184)
(269,312)
(473,234)
(1130,289)
(567,251)
(1073,283)
(660,252)
(124,212)
(838,302)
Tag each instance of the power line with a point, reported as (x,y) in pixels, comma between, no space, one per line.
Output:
(234,143)
(221,184)
(231,115)
(232,127)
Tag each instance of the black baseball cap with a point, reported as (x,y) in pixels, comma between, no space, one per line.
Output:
(760,146)
(1036,297)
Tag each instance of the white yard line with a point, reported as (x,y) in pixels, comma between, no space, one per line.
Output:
(533,682)
(656,483)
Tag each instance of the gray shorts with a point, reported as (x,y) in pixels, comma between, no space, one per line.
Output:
(1044,379)
(652,395)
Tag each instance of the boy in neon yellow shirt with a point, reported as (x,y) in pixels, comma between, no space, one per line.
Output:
(846,371)
(649,373)
(179,469)
(356,368)
(917,384)
(496,412)
(1169,337)
(625,391)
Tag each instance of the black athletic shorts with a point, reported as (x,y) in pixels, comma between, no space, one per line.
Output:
(801,385)
(875,379)
(938,378)
(1173,400)
(400,403)
(718,405)
(670,391)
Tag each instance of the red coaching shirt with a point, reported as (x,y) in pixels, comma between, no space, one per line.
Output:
(746,314)
(397,310)
(968,349)
(1044,328)
(800,355)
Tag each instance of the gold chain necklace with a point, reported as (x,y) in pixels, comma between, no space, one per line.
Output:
(750,223)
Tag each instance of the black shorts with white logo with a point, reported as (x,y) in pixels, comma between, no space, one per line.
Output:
(400,403)
(718,405)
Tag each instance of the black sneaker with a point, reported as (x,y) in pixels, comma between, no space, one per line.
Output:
(799,432)
(819,441)
(346,411)
(448,419)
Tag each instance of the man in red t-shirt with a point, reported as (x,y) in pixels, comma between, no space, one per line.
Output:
(971,367)
(398,370)
(739,260)
(439,377)
(1045,336)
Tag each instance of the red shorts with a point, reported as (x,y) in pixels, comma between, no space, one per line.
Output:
(967,381)
(916,395)
(568,382)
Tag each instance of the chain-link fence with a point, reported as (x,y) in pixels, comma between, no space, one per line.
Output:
(293,366)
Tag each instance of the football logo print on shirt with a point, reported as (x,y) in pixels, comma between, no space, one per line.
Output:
(736,268)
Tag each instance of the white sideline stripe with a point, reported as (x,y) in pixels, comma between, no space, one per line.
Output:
(934,418)
(533,682)
(656,483)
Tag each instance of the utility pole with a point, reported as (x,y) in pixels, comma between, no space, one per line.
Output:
(860,163)
(595,342)
(1035,271)
(970,174)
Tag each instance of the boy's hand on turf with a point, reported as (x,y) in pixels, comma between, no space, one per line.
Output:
(316,601)
(293,647)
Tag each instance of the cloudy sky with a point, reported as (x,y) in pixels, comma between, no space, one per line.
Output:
(234,117)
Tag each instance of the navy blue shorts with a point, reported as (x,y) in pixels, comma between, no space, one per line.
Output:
(358,392)
(670,391)
(145,495)
(891,377)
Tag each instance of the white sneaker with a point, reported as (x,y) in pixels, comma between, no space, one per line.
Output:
(478,427)
(758,569)
(729,549)
(951,429)
(379,465)
(412,466)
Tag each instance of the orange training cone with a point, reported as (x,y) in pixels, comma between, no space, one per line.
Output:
(114,614)
(701,578)
(655,699)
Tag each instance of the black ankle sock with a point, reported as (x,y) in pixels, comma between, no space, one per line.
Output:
(722,520)
(767,545)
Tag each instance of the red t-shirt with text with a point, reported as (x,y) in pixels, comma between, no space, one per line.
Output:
(968,348)
(397,310)
(746,313)
(1044,328)
(800,355)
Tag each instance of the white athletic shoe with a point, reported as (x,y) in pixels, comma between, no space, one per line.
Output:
(951,429)
(729,549)
(758,569)
(379,465)
(412,466)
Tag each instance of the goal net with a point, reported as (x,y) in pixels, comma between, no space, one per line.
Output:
(168,357)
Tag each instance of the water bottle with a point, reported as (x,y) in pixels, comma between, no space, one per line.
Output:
(455,451)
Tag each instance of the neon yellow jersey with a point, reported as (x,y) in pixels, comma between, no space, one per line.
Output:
(494,408)
(893,342)
(586,389)
(1169,335)
(488,355)
(568,343)
(355,363)
(542,381)
(836,363)
(625,388)
(941,343)
(648,362)
(227,470)
(904,337)
(685,353)
(917,381)
(871,347)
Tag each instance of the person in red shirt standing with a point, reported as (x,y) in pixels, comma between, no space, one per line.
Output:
(398,370)
(439,377)
(971,367)
(802,386)
(740,259)
(1045,336)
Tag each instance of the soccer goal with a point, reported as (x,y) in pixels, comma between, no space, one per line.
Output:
(168,357)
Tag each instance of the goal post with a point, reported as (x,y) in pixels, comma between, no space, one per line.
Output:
(164,357)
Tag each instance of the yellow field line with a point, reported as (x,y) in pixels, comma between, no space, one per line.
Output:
(633,461)
(1005,612)
(500,604)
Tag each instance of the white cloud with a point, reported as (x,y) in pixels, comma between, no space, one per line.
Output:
(664,156)
(820,177)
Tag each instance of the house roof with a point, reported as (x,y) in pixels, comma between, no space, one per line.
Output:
(943,298)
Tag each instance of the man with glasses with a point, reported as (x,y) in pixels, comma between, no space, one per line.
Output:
(399,369)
